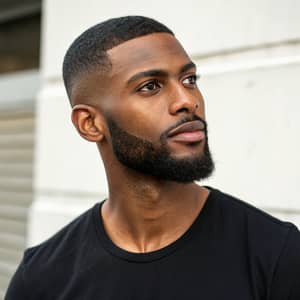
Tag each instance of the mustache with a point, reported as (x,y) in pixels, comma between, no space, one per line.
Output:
(185,120)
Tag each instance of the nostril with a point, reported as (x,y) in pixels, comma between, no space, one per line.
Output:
(184,109)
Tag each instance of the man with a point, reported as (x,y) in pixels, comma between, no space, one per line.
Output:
(158,235)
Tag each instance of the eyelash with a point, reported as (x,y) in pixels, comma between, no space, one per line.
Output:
(194,77)
(153,81)
(157,83)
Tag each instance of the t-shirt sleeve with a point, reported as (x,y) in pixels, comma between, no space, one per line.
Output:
(286,280)
(16,288)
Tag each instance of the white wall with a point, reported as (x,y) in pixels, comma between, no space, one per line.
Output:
(248,53)
(253,110)
(16,155)
(203,26)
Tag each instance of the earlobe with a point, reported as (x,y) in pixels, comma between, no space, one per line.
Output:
(87,121)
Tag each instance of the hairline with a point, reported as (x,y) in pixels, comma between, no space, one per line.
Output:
(106,65)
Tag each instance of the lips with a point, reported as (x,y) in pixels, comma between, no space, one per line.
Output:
(189,132)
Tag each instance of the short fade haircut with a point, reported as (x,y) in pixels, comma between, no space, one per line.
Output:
(88,51)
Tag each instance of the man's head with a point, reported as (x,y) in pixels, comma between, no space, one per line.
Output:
(133,91)
(89,51)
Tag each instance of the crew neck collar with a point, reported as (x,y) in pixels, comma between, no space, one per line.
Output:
(114,250)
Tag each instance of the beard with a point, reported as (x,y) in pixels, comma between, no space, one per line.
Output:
(143,156)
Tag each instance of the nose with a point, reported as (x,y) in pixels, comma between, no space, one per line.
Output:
(185,100)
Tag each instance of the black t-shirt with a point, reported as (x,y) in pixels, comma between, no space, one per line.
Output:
(232,251)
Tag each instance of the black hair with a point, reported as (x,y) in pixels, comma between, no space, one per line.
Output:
(88,51)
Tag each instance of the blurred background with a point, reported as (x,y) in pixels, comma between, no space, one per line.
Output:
(248,56)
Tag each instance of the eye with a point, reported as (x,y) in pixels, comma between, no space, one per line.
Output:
(150,86)
(190,80)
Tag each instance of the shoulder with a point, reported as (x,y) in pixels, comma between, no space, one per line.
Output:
(286,279)
(265,235)
(252,217)
(273,245)
(61,244)
(50,260)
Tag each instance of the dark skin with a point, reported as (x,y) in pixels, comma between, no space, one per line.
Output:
(142,213)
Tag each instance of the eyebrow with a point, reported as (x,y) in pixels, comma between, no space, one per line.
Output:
(188,66)
(158,72)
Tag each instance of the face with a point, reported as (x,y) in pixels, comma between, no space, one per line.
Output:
(155,111)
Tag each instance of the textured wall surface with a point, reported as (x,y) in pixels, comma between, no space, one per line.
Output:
(16,167)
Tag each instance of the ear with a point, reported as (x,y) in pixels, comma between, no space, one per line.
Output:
(88,122)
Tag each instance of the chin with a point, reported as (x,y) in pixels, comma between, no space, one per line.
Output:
(188,151)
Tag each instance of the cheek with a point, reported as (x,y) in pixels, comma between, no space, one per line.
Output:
(140,117)
(144,126)
(201,106)
(141,123)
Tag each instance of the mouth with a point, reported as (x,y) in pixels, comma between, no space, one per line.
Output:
(189,132)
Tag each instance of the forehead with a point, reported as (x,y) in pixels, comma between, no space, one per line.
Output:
(155,51)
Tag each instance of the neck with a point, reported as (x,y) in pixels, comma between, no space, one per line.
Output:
(143,214)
